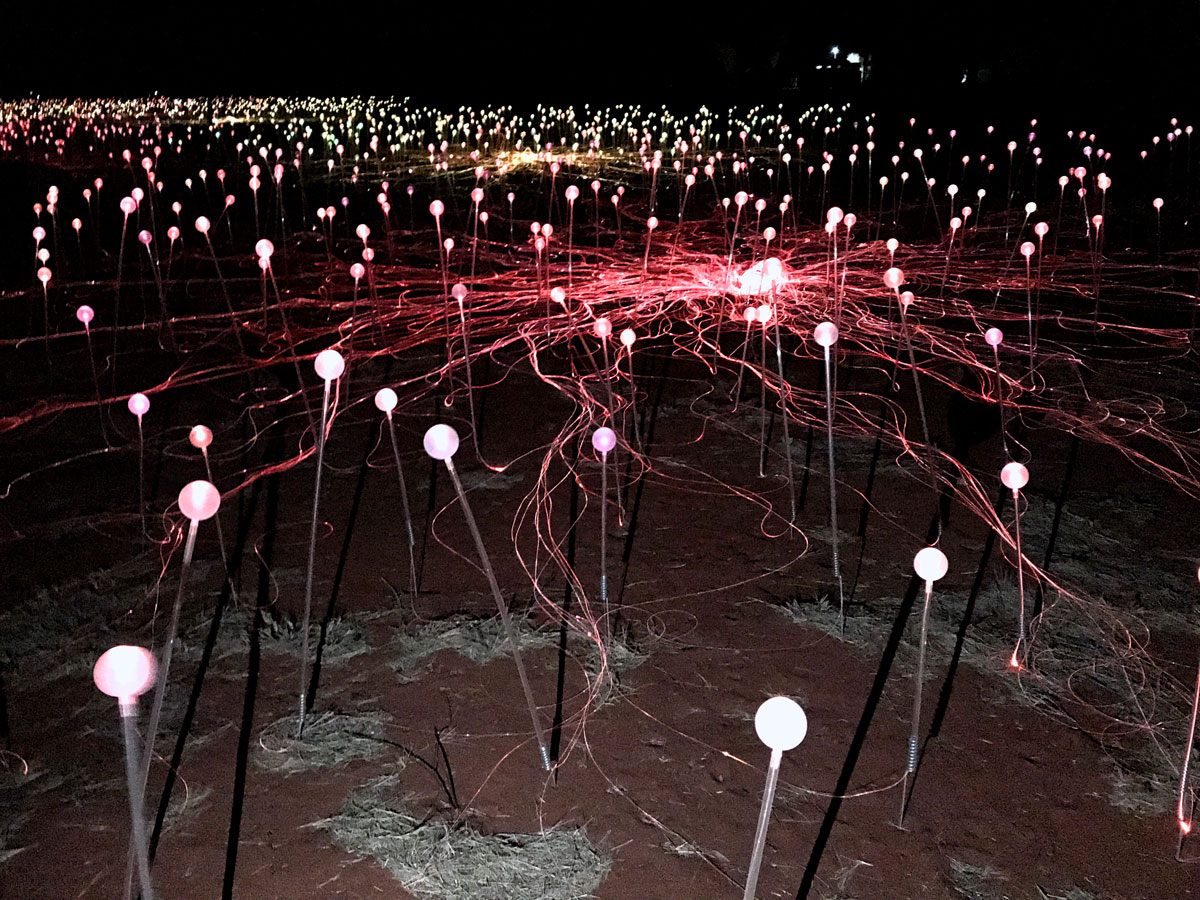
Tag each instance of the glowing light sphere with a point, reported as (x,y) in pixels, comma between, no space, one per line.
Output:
(436,208)
(763,313)
(128,205)
(850,220)
(993,336)
(264,249)
(459,292)
(1158,202)
(781,724)
(740,198)
(834,215)
(1030,208)
(200,436)
(825,334)
(628,337)
(441,441)
(1027,249)
(1041,229)
(39,233)
(202,224)
(357,271)
(1014,476)
(199,500)
(602,328)
(173,234)
(363,231)
(43,275)
(85,314)
(769,234)
(930,564)
(139,405)
(604,439)
(124,672)
(893,278)
(572,193)
(652,223)
(893,245)
(559,296)
(329,364)
(386,400)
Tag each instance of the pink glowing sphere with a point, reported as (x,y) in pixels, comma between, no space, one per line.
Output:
(1041,229)
(39,233)
(602,328)
(441,441)
(386,400)
(85,314)
(558,295)
(850,220)
(1027,249)
(572,193)
(459,292)
(124,672)
(329,364)
(448,243)
(77,224)
(893,245)
(628,337)
(769,234)
(893,278)
(781,724)
(201,437)
(139,405)
(363,231)
(202,224)
(368,254)
(750,314)
(931,564)
(834,215)
(763,314)
(43,275)
(1014,476)
(1158,202)
(357,271)
(128,205)
(825,334)
(173,234)
(740,198)
(906,299)
(436,208)
(199,500)
(604,439)
(652,223)
(264,249)
(993,336)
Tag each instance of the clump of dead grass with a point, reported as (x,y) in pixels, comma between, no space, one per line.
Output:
(437,859)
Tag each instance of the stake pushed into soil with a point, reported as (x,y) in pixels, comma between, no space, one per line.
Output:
(826,334)
(441,442)
(781,725)
(385,402)
(330,366)
(930,564)
(126,672)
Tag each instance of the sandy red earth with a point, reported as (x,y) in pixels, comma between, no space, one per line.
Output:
(1055,781)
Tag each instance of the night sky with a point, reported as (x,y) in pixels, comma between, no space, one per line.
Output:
(1118,59)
